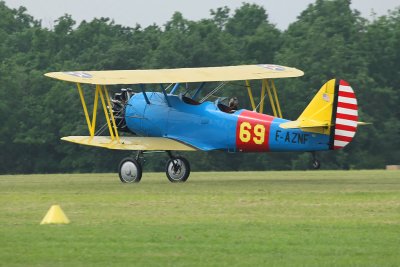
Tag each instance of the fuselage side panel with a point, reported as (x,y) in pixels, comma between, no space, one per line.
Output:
(206,127)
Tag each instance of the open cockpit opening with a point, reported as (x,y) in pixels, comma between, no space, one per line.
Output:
(230,107)
(189,100)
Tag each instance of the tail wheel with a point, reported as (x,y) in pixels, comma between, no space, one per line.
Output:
(177,170)
(130,171)
(316,164)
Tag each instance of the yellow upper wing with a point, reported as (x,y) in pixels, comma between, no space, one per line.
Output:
(184,75)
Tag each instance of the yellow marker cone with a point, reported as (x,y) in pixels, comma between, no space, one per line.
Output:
(55,215)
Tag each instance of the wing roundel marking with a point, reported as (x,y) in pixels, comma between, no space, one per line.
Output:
(273,67)
(79,74)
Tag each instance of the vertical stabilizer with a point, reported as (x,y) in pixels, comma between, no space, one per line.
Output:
(332,111)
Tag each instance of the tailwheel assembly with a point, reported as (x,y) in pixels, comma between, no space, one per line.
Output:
(316,164)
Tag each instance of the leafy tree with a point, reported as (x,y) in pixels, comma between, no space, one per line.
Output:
(328,40)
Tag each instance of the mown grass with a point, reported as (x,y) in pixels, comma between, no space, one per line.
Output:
(323,218)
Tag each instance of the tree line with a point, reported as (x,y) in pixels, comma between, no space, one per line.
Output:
(328,40)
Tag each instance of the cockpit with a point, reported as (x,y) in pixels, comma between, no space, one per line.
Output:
(189,100)
(221,103)
(227,106)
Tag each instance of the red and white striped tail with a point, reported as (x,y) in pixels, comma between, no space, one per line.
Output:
(346,116)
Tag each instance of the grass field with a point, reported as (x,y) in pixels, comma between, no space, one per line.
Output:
(322,218)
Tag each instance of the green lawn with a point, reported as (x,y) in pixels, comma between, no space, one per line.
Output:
(312,218)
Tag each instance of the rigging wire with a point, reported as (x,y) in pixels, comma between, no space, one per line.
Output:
(216,89)
(259,103)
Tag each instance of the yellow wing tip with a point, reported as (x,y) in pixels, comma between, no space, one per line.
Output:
(53,75)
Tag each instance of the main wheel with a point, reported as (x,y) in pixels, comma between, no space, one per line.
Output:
(316,164)
(130,171)
(177,170)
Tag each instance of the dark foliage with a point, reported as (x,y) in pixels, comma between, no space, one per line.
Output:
(328,40)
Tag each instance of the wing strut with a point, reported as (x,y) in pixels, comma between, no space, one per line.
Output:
(91,123)
(174,88)
(278,106)
(165,95)
(112,126)
(253,105)
(198,90)
(143,87)
(262,96)
(109,110)
(269,86)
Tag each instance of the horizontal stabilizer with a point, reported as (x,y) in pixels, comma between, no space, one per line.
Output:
(311,124)
(303,124)
(130,143)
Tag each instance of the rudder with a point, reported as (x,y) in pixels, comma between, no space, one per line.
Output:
(344,116)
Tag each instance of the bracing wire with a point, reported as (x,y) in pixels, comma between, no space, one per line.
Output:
(259,103)
(216,89)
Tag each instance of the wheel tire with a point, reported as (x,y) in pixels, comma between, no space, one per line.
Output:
(130,171)
(178,173)
(316,164)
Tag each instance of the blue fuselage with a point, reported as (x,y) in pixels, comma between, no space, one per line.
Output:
(206,127)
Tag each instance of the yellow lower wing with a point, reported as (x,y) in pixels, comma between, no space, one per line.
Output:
(130,143)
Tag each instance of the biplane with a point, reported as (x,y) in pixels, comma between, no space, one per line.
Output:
(156,118)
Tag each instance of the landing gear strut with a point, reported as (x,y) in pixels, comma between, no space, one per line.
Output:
(316,164)
(130,169)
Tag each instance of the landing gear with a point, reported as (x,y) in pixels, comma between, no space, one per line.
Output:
(177,170)
(316,164)
(130,169)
